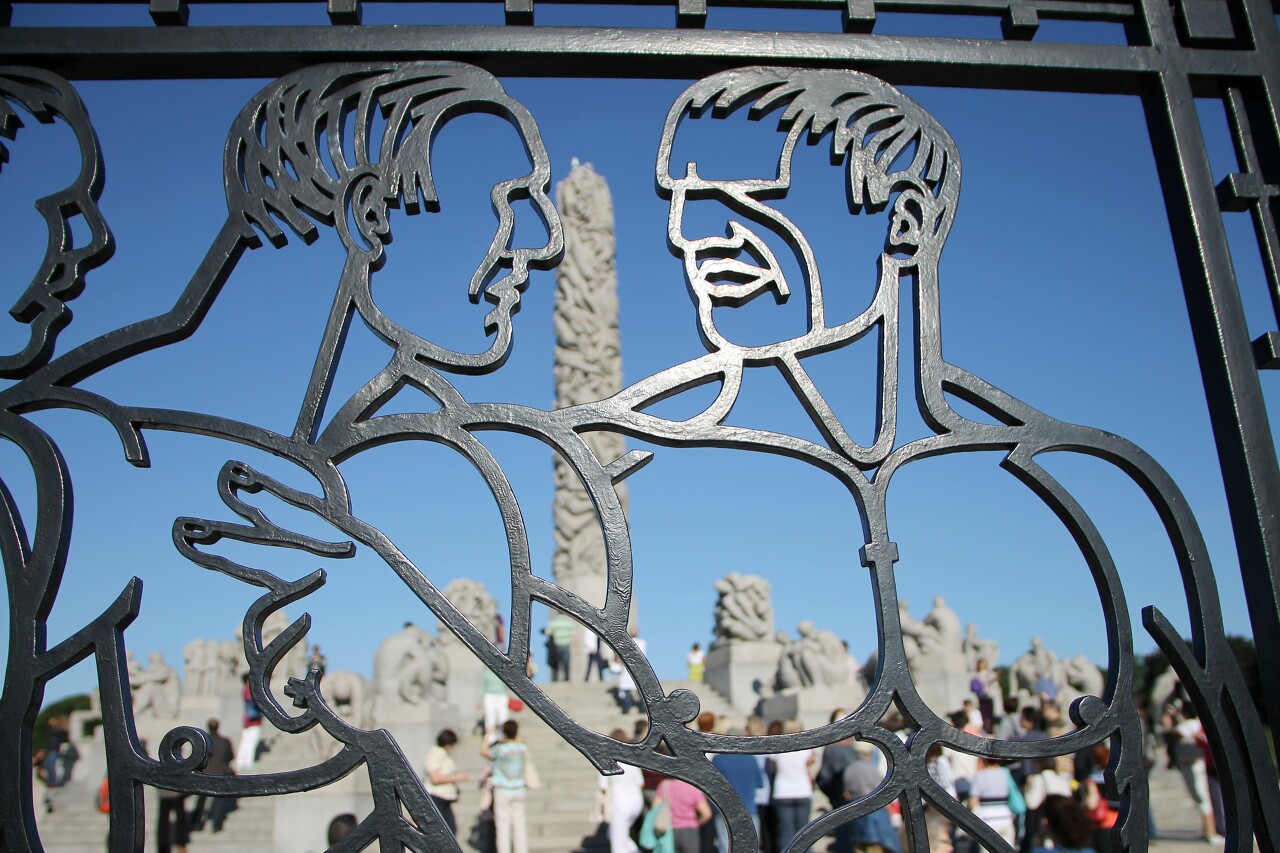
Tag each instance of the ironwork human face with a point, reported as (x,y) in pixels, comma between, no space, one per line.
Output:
(502,275)
(60,278)
(738,245)
(750,258)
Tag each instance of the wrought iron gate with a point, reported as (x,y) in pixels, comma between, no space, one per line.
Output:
(290,168)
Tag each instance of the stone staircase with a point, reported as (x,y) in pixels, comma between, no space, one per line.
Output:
(76,826)
(558,812)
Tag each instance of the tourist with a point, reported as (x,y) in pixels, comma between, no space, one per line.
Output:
(1032,724)
(652,778)
(1101,810)
(939,769)
(626,684)
(220,757)
(989,796)
(340,827)
(1189,755)
(1008,728)
(764,794)
(792,788)
(706,723)
(442,777)
(1068,825)
(940,830)
(689,811)
(1056,726)
(1044,783)
(553,652)
(595,654)
(494,701)
(560,631)
(625,795)
(746,777)
(696,661)
(57,729)
(172,831)
(974,724)
(510,762)
(247,753)
(830,781)
(982,684)
(964,765)
(873,833)
(316,660)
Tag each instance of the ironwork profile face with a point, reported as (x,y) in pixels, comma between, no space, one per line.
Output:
(60,278)
(361,183)
(873,130)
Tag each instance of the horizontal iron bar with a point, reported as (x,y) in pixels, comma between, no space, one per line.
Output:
(266,51)
(1068,9)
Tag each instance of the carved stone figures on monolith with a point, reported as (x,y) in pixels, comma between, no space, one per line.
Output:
(588,367)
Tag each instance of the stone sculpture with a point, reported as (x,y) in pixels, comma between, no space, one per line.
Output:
(474,602)
(936,642)
(156,688)
(743,661)
(813,675)
(936,654)
(816,659)
(350,695)
(945,625)
(1082,677)
(231,665)
(588,366)
(976,648)
(1032,668)
(406,670)
(744,609)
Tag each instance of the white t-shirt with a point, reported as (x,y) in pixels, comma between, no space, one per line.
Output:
(791,775)
(625,681)
(625,788)
(695,658)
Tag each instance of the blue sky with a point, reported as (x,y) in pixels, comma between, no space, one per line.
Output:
(1058,285)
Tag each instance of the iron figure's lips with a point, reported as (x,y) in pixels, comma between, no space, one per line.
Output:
(730,281)
(504,288)
(738,268)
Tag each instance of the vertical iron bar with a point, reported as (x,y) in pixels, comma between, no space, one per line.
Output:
(1242,431)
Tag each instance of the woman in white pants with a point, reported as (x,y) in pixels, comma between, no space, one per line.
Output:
(625,793)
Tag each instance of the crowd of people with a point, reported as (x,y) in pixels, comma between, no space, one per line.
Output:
(510,774)
(1058,802)
(1061,801)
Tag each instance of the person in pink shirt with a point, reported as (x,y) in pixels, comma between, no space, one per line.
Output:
(689,811)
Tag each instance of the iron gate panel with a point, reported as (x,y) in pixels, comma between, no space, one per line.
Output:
(901,163)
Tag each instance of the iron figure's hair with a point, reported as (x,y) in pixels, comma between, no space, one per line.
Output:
(882,134)
(305,151)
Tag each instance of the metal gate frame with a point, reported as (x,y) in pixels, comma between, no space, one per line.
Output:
(1176,52)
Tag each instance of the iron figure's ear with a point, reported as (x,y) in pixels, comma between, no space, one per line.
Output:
(365,225)
(906,225)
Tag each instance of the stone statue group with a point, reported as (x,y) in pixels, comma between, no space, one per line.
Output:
(943,656)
